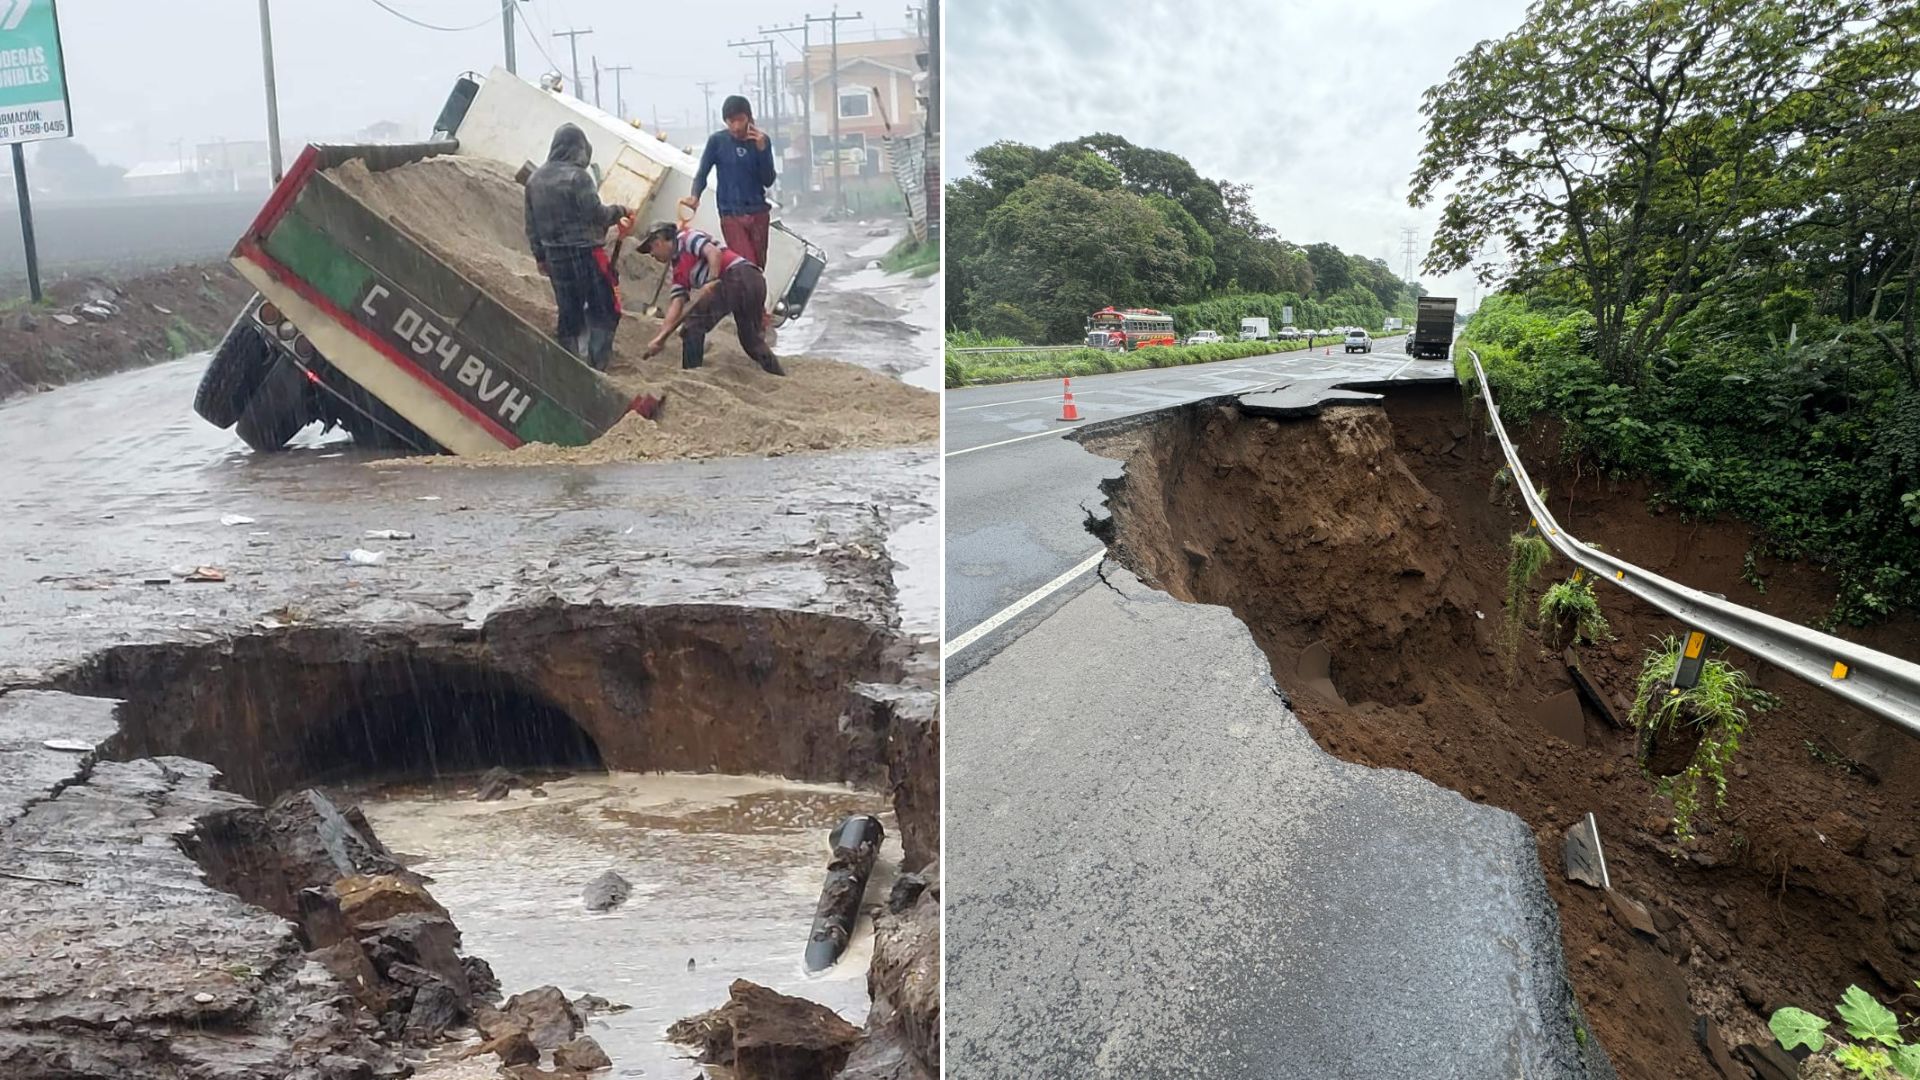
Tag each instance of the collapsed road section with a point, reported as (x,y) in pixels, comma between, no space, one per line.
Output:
(1365,544)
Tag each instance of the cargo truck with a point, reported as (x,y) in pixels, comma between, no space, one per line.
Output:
(358,325)
(1255,329)
(1431,336)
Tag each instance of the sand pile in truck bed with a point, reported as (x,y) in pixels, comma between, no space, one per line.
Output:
(469,212)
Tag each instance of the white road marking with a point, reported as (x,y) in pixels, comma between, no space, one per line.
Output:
(1014,609)
(1015,401)
(1002,442)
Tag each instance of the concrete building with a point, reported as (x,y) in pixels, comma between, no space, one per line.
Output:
(881,84)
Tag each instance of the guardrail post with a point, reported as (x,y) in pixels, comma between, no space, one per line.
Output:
(1693,660)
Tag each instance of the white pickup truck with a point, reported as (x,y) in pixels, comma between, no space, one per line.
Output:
(1205,337)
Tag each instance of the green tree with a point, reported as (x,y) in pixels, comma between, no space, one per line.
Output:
(1057,250)
(1632,149)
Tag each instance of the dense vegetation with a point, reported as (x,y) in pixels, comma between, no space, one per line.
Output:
(1706,217)
(966,369)
(1039,239)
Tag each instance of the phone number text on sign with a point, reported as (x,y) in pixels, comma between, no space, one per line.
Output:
(33,129)
(460,368)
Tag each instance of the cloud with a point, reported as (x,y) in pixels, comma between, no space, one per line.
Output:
(1315,104)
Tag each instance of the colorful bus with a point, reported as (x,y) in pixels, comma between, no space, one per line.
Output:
(1126,329)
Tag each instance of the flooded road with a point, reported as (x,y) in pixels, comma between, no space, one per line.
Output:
(725,873)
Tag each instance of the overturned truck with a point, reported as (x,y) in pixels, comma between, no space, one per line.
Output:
(360,325)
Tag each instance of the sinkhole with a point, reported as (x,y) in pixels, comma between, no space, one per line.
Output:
(1367,548)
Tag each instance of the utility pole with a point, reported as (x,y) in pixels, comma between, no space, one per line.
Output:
(933,66)
(573,41)
(805,30)
(1409,242)
(595,61)
(706,89)
(506,25)
(619,99)
(833,21)
(273,101)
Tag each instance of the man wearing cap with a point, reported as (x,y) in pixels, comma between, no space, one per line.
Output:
(742,157)
(710,282)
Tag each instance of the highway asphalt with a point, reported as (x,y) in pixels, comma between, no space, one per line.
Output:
(1153,871)
(1018,491)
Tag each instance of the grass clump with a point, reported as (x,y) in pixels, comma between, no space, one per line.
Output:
(1527,554)
(1571,609)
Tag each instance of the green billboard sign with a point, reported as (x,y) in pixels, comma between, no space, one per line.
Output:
(33,77)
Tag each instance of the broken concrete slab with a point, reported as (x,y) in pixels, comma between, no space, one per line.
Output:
(1283,914)
(30,770)
(122,961)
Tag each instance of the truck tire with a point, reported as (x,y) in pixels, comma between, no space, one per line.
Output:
(233,375)
(277,411)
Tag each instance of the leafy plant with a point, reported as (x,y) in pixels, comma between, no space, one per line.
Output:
(1527,553)
(1880,1051)
(1714,710)
(1571,606)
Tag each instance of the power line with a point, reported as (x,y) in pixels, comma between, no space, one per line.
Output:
(398,14)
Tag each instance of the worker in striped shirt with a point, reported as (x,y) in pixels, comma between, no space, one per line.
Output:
(710,283)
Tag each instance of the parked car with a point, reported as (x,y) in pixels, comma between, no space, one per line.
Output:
(1359,341)
(1205,337)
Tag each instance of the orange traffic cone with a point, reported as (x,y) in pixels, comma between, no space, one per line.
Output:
(1067,410)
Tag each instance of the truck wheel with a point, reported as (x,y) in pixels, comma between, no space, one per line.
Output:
(277,411)
(233,375)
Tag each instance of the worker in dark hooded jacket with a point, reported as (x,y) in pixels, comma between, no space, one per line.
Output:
(567,229)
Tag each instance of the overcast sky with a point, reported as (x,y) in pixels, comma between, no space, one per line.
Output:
(1315,103)
(144,74)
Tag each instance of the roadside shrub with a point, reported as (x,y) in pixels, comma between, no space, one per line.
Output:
(956,375)
(1702,725)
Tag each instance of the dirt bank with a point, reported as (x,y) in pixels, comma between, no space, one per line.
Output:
(469,212)
(133,322)
(1381,533)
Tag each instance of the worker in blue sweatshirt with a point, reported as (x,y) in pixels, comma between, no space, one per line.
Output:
(743,157)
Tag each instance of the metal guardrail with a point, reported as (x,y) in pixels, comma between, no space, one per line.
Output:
(1882,684)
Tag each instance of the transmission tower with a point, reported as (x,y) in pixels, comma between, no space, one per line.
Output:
(1409,243)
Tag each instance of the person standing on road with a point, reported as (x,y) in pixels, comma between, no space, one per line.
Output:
(710,282)
(743,158)
(567,229)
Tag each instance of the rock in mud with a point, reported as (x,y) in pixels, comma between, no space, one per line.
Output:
(481,981)
(606,892)
(513,1048)
(546,1016)
(495,783)
(417,941)
(581,1055)
(762,1034)
(436,1007)
(364,901)
(905,892)
(588,1004)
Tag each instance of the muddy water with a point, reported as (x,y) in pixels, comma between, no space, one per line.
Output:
(725,873)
